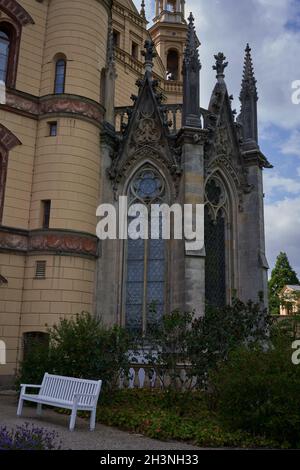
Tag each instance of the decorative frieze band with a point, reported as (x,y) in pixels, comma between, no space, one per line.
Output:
(54,104)
(48,242)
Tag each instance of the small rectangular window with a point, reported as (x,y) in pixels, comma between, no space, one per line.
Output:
(52,129)
(40,270)
(46,210)
(135,50)
(117,38)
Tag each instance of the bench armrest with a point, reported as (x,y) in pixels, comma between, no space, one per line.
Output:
(24,386)
(31,386)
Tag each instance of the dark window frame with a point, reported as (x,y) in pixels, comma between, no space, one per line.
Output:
(46,213)
(53,126)
(3,175)
(59,88)
(134,50)
(13,31)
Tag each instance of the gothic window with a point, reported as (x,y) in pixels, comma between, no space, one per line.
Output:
(145,259)
(216,237)
(60,76)
(173,64)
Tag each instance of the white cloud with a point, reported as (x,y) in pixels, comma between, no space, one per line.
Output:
(283,230)
(274,184)
(292,145)
(227,25)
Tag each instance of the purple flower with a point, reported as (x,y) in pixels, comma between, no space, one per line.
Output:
(28,437)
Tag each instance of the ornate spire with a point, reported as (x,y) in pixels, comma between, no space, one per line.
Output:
(249,98)
(220,66)
(191,79)
(249,81)
(191,53)
(149,54)
(143,10)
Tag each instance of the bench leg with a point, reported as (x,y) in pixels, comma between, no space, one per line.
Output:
(20,407)
(73,419)
(39,409)
(93,420)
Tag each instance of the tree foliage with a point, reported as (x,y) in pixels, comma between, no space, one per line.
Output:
(282,275)
(79,347)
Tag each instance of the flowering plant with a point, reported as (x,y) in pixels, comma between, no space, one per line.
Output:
(28,437)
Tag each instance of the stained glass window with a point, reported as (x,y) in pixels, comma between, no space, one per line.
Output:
(216,217)
(145,260)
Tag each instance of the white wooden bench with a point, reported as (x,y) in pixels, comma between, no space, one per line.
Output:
(64,392)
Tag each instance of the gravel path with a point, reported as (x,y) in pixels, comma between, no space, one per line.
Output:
(103,438)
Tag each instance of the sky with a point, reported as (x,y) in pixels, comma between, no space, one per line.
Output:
(272,28)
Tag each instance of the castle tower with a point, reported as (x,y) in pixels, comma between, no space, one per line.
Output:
(169,33)
(49,165)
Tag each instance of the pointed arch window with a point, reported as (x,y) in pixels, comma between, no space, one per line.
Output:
(60,76)
(145,260)
(217,242)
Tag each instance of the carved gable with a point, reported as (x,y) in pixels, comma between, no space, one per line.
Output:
(146,137)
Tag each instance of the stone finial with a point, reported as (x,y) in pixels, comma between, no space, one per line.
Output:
(149,53)
(191,53)
(249,98)
(249,81)
(143,10)
(220,65)
(191,79)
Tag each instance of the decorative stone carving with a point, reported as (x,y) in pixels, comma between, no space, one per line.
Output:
(146,135)
(13,9)
(52,104)
(7,139)
(50,241)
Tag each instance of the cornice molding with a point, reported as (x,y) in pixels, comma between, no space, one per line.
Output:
(57,242)
(66,104)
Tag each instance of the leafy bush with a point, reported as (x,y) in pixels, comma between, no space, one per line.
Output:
(149,413)
(79,347)
(221,331)
(28,437)
(165,349)
(257,391)
(183,342)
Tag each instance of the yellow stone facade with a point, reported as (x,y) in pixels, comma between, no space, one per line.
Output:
(64,168)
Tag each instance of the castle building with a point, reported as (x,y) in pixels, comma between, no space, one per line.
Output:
(88,114)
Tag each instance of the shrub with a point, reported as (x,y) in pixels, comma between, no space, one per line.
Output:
(258,391)
(79,347)
(165,349)
(28,437)
(197,345)
(149,412)
(221,331)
